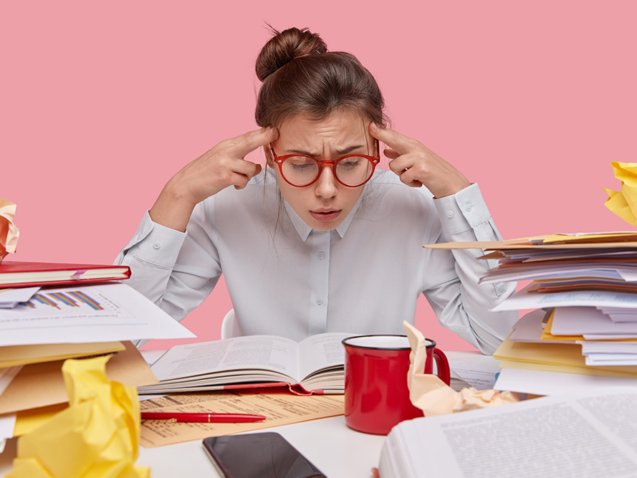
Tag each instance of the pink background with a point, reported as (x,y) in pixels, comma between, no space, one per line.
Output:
(101,102)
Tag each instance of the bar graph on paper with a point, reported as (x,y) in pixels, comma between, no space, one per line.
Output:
(87,303)
(91,313)
(66,299)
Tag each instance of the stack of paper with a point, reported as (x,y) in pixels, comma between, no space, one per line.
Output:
(38,334)
(584,290)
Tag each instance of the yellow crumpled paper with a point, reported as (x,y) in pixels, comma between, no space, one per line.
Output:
(8,231)
(435,397)
(624,202)
(96,436)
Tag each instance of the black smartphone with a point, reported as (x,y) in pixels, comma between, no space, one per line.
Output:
(259,455)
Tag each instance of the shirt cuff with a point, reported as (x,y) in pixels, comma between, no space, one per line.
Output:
(155,244)
(462,211)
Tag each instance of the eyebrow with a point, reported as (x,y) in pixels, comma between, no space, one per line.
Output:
(347,150)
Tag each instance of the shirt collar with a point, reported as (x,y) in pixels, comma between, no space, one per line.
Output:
(304,230)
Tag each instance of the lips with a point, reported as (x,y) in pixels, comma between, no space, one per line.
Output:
(325,215)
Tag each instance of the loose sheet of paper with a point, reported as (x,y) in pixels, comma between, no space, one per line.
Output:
(529,328)
(87,314)
(9,298)
(596,298)
(587,320)
(7,423)
(479,371)
(280,408)
(542,382)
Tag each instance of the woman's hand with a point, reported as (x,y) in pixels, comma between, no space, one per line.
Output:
(222,166)
(417,165)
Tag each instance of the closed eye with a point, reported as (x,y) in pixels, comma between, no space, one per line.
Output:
(350,163)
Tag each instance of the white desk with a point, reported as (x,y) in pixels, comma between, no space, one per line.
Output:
(328,443)
(334,448)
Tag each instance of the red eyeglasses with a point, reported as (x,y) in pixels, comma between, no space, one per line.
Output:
(351,170)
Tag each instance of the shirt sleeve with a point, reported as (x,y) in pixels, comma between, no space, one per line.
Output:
(175,270)
(461,304)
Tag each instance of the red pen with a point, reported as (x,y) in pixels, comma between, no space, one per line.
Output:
(203,417)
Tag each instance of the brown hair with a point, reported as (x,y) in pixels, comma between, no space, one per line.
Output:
(299,75)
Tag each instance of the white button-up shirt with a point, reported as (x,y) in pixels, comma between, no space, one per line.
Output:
(364,277)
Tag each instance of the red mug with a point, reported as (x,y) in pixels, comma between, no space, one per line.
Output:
(376,392)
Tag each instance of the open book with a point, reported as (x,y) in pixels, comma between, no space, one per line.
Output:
(587,434)
(316,364)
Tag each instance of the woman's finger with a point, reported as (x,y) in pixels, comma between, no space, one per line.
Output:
(390,153)
(408,177)
(239,181)
(401,163)
(247,168)
(396,141)
(248,142)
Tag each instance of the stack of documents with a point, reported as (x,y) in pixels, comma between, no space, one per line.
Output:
(40,328)
(583,288)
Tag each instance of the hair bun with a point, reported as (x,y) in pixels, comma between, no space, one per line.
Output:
(286,46)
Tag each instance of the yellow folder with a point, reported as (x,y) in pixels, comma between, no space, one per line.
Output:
(555,357)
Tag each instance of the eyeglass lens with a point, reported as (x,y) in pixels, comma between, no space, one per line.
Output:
(302,170)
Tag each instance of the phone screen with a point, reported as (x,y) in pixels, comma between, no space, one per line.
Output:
(262,455)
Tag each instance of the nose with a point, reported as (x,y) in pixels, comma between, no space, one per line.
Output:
(326,186)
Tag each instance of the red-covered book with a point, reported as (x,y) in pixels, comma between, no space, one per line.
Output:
(29,274)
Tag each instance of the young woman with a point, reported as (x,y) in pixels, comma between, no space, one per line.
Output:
(320,240)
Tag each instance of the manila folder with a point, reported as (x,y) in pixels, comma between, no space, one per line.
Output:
(42,384)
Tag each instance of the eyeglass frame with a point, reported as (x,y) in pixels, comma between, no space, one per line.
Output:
(322,163)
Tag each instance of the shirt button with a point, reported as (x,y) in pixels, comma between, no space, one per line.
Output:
(320,302)
(321,255)
(449,214)
(156,246)
(469,207)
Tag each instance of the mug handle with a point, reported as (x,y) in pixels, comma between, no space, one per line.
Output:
(442,365)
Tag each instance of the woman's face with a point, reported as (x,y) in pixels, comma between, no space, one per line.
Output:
(324,204)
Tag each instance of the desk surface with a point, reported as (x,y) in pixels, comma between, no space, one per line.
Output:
(328,443)
(334,448)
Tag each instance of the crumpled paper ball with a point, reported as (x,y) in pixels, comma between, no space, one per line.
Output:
(435,397)
(624,202)
(96,436)
(8,231)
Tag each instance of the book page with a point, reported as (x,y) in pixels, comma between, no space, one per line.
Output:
(585,436)
(553,440)
(253,352)
(616,413)
(321,351)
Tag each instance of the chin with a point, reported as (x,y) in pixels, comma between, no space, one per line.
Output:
(322,226)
